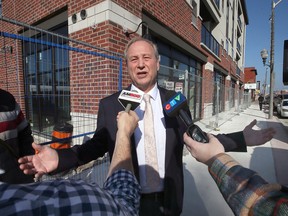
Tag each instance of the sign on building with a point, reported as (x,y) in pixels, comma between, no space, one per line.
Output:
(169,85)
(250,86)
(179,87)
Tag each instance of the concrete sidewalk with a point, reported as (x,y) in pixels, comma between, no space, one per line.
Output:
(270,160)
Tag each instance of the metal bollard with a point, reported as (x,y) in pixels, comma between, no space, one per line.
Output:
(62,131)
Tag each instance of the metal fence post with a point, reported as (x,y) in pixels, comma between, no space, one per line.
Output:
(217,106)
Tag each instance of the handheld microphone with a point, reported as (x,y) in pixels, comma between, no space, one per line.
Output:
(130,100)
(174,106)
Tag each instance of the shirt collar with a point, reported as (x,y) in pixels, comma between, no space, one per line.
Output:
(153,92)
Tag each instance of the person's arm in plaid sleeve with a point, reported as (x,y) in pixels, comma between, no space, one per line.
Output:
(125,190)
(244,190)
(122,153)
(119,196)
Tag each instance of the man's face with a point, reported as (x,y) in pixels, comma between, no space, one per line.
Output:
(142,65)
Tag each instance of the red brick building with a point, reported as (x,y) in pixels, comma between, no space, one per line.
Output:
(250,74)
(201,43)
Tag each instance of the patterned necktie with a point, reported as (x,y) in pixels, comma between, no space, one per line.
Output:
(152,173)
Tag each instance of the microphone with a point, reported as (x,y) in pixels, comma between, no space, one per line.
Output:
(175,107)
(130,100)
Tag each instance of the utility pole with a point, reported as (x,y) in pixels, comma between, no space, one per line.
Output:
(272,61)
(264,55)
(265,83)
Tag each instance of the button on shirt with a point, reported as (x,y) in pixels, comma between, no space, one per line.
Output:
(160,136)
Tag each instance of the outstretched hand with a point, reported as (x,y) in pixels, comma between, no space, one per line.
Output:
(257,137)
(45,161)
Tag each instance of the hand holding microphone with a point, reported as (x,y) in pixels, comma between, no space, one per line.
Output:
(174,106)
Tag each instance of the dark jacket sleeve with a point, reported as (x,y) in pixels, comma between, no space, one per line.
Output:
(233,141)
(92,149)
(24,136)
(25,141)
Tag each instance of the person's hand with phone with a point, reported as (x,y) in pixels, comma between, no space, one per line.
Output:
(197,134)
(203,153)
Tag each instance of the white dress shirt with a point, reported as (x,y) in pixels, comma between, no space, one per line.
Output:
(160,135)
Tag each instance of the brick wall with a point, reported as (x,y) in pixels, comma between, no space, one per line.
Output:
(176,15)
(250,75)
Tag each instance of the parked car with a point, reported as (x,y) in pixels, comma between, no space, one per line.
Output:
(282,108)
(277,100)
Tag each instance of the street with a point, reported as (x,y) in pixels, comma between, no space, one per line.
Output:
(284,121)
(201,195)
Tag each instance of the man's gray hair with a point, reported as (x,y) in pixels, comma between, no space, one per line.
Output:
(141,39)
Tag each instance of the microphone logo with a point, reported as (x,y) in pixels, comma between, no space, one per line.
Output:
(167,107)
(173,102)
(176,102)
(129,97)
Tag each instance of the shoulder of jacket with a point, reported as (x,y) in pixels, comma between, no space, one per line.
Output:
(111,97)
(8,102)
(115,95)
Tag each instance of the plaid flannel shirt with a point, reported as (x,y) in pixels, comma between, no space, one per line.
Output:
(120,196)
(245,191)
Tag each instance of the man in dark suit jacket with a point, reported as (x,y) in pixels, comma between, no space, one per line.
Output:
(143,64)
(106,133)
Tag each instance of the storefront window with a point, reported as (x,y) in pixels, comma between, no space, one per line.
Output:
(47,80)
(181,73)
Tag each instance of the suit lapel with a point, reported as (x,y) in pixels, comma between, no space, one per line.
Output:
(168,125)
